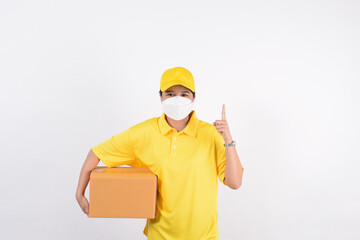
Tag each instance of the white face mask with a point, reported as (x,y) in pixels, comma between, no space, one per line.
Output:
(177,107)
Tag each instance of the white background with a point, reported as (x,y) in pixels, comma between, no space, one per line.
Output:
(74,73)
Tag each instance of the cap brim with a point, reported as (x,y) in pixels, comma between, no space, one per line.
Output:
(170,84)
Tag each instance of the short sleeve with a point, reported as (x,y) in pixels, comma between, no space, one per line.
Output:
(116,151)
(220,156)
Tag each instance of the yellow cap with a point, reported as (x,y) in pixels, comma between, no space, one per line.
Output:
(177,76)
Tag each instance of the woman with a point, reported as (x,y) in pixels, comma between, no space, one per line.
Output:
(186,154)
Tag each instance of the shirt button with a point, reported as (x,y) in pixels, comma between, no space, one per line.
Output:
(173,146)
(174,137)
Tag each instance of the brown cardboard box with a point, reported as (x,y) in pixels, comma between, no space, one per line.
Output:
(122,192)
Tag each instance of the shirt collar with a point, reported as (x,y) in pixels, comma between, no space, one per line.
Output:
(190,129)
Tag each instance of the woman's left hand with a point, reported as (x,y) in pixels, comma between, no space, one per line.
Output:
(223,127)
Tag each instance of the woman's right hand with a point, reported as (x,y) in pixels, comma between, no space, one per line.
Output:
(84,204)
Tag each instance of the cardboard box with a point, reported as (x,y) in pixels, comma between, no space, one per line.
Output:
(122,192)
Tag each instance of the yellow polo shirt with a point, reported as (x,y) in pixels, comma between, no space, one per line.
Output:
(187,164)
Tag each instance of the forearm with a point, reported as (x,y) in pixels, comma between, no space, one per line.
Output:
(233,167)
(90,163)
(83,182)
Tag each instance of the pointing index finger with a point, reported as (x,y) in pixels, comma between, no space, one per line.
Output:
(223,113)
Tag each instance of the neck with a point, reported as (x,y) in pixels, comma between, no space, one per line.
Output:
(179,125)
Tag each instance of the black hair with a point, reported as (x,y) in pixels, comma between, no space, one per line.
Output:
(193,93)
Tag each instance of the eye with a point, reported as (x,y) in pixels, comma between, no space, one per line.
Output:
(184,94)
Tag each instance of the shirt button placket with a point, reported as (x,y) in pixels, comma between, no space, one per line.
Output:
(174,136)
(173,145)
